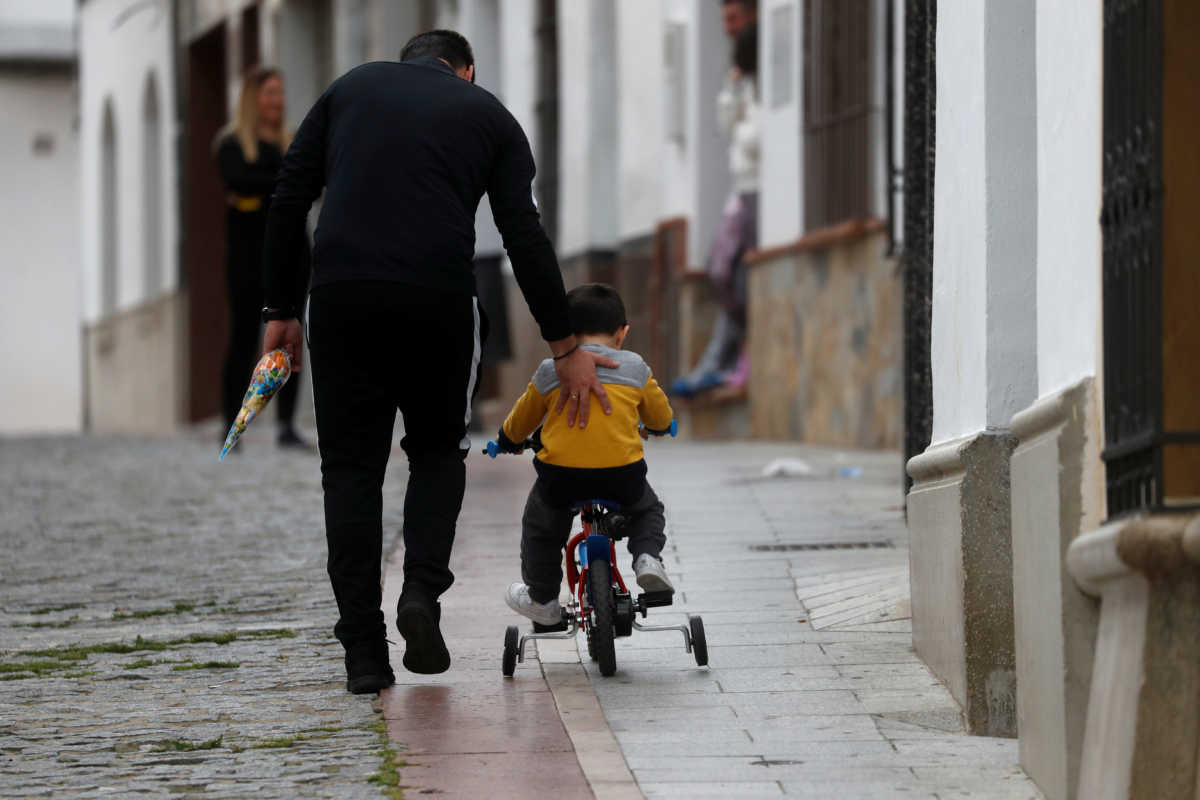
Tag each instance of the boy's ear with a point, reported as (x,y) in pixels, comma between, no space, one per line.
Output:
(621,334)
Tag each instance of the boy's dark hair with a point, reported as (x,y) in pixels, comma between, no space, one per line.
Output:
(595,308)
(450,45)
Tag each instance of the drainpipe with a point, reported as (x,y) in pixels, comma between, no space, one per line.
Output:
(893,173)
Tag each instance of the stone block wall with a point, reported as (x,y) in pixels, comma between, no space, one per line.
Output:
(826,341)
(134,376)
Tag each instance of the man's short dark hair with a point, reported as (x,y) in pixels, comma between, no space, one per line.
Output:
(595,309)
(750,5)
(449,45)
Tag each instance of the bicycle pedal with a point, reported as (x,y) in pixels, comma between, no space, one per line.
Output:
(655,599)
(558,628)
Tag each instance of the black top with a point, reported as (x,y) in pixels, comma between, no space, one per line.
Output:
(245,229)
(242,177)
(405,152)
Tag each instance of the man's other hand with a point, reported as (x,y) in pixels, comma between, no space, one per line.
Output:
(577,376)
(288,335)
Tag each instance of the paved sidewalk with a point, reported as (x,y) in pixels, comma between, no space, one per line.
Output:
(813,688)
(469,732)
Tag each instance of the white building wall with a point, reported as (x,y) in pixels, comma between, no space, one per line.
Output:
(587,127)
(118,52)
(1069,52)
(40,308)
(781,199)
(984,348)
(480,23)
(959,332)
(1012,208)
(640,136)
(518,66)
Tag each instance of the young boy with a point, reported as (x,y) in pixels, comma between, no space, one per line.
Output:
(602,461)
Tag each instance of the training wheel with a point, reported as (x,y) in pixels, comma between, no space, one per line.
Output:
(699,643)
(512,638)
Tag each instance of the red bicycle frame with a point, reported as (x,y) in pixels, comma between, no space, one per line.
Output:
(577,571)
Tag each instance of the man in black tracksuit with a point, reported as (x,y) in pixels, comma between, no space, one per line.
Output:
(404,152)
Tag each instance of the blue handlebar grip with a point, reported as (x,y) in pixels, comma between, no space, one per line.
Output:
(674,429)
(492,450)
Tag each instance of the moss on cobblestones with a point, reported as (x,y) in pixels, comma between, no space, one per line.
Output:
(184,746)
(66,623)
(55,609)
(53,660)
(32,666)
(388,776)
(142,663)
(178,608)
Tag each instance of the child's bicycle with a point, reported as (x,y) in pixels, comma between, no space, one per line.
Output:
(600,603)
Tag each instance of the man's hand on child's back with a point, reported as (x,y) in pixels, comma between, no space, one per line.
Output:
(577,376)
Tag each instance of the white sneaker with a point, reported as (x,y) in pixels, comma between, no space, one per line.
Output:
(518,600)
(650,574)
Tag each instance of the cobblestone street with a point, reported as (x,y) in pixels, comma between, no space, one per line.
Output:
(235,685)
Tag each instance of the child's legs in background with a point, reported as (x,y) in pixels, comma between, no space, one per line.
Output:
(647,525)
(544,532)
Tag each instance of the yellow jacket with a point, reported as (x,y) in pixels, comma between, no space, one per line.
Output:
(608,440)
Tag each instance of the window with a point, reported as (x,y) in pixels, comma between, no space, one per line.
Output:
(108,212)
(152,218)
(837,111)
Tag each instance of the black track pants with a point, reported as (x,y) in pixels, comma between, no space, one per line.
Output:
(376,347)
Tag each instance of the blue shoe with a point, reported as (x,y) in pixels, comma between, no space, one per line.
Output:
(689,386)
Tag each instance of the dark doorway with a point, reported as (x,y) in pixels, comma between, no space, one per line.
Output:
(920,95)
(250,37)
(546,182)
(204,224)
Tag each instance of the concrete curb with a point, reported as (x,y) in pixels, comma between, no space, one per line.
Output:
(597,749)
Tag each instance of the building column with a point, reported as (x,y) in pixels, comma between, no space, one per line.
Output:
(983,353)
(1057,476)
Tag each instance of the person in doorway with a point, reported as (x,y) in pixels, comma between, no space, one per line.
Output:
(249,153)
(724,361)
(737,16)
(404,152)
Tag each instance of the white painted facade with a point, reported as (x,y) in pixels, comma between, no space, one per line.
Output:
(781,202)
(1069,60)
(984,348)
(40,301)
(127,75)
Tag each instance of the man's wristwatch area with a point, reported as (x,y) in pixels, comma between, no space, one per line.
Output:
(278,314)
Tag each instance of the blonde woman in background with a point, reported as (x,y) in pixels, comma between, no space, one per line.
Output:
(249,153)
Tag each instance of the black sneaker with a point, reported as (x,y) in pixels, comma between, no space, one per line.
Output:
(367,667)
(418,619)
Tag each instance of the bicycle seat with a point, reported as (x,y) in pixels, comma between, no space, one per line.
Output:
(607,505)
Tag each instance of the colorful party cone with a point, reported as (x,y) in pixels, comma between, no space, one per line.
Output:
(269,377)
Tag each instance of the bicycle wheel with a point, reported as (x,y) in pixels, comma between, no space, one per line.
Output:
(699,643)
(512,638)
(602,616)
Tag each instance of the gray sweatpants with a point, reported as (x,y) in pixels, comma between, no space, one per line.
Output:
(544,533)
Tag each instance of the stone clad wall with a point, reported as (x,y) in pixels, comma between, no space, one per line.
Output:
(825,342)
(134,374)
